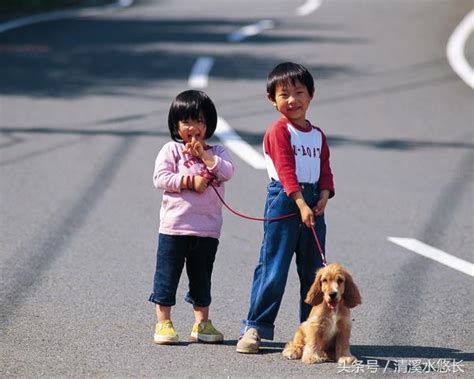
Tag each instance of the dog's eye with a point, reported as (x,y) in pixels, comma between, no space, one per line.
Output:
(324,281)
(340,280)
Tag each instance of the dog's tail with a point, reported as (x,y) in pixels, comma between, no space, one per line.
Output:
(294,349)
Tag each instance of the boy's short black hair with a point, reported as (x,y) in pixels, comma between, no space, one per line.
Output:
(289,72)
(191,105)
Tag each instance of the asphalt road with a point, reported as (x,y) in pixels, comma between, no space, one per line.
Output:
(84,107)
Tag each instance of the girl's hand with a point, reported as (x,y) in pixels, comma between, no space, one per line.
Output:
(320,207)
(194,148)
(200,184)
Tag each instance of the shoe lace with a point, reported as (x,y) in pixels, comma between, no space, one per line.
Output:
(208,327)
(165,325)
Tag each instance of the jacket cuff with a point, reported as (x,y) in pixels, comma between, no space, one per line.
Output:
(292,189)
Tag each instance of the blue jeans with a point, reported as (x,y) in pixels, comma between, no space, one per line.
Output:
(173,252)
(282,239)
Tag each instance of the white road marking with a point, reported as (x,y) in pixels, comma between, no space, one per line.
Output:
(250,30)
(434,254)
(455,49)
(199,78)
(200,72)
(308,7)
(223,131)
(238,146)
(59,15)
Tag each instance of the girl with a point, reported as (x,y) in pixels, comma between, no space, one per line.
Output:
(190,215)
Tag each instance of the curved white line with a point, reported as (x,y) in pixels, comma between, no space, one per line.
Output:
(250,30)
(238,146)
(455,49)
(308,7)
(59,15)
(200,71)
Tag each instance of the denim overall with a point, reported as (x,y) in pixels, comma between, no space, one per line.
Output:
(281,239)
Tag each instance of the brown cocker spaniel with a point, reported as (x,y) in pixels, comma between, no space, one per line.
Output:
(324,336)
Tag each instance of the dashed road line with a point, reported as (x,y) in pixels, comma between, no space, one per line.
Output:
(199,78)
(308,7)
(455,49)
(434,254)
(238,146)
(250,30)
(200,72)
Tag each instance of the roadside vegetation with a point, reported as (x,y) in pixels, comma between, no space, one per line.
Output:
(36,5)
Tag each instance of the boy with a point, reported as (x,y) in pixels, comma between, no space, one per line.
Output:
(297,158)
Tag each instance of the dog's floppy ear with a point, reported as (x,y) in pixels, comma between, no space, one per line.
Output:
(351,293)
(315,295)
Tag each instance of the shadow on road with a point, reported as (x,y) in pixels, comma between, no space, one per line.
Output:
(266,347)
(251,138)
(396,357)
(71,58)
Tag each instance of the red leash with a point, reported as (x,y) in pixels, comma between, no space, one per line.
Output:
(272,219)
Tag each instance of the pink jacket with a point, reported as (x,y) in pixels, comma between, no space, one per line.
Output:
(185,212)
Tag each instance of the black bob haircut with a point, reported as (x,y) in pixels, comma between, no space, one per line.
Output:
(289,72)
(192,105)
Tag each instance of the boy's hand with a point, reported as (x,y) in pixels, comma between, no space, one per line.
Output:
(320,207)
(321,204)
(307,215)
(200,184)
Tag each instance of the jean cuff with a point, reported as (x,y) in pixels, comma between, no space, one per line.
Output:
(154,299)
(264,330)
(190,300)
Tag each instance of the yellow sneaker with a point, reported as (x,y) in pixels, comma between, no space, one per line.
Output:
(205,332)
(165,333)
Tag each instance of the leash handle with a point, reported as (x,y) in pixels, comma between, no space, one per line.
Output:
(272,219)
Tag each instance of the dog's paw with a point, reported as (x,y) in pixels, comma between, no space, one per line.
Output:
(291,353)
(312,358)
(347,360)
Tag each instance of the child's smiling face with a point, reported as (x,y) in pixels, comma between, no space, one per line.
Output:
(188,129)
(292,101)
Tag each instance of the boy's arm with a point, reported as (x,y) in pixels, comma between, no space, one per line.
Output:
(326,181)
(322,202)
(307,215)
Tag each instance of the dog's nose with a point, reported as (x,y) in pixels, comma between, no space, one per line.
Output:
(333,295)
